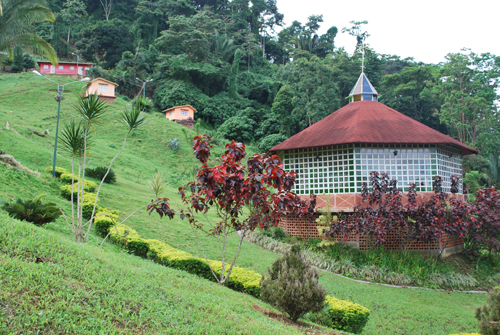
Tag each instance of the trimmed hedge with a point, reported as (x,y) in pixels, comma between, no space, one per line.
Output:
(241,279)
(89,186)
(346,315)
(103,223)
(67,178)
(59,170)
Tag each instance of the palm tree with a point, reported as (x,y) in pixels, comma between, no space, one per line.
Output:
(16,26)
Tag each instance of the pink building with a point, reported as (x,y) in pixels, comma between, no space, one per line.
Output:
(183,115)
(64,68)
(104,88)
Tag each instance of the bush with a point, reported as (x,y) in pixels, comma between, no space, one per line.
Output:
(67,178)
(346,315)
(89,186)
(241,279)
(33,210)
(59,170)
(174,144)
(276,233)
(292,285)
(144,104)
(104,220)
(489,315)
(99,173)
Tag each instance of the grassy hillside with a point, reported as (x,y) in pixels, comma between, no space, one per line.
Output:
(50,284)
(27,104)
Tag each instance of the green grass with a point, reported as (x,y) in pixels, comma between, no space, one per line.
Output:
(83,289)
(28,103)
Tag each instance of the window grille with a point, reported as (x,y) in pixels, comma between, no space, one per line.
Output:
(343,169)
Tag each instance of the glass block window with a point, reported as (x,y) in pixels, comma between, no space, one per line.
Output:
(322,170)
(342,169)
(409,164)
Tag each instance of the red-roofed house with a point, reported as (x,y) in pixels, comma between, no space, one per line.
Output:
(336,155)
(64,68)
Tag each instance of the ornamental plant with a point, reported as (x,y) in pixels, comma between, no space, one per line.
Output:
(484,223)
(489,315)
(263,185)
(292,285)
(33,210)
(441,218)
(75,140)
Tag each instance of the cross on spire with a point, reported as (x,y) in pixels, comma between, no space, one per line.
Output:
(363,57)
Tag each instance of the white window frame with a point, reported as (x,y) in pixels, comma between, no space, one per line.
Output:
(61,67)
(184,112)
(46,67)
(103,87)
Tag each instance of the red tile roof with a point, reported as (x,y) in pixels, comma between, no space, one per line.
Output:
(368,122)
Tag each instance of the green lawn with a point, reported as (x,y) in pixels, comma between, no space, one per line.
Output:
(26,102)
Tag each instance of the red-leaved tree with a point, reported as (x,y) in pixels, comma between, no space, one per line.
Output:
(484,223)
(441,218)
(263,185)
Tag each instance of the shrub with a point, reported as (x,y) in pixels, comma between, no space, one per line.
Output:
(59,170)
(292,285)
(346,315)
(99,173)
(174,144)
(144,104)
(489,315)
(33,210)
(241,279)
(89,186)
(104,222)
(67,178)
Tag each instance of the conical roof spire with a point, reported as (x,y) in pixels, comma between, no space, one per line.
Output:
(363,90)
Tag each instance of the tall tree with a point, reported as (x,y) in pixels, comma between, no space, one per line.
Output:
(282,108)
(409,93)
(466,89)
(356,31)
(316,95)
(73,11)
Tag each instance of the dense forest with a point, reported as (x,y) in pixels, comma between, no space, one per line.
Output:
(253,79)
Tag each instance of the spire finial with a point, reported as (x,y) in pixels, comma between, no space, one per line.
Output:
(363,57)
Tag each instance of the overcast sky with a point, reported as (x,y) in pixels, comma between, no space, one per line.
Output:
(425,30)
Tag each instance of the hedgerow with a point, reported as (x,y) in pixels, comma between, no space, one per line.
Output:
(89,186)
(346,315)
(241,279)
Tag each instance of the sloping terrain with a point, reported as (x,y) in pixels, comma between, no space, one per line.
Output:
(26,102)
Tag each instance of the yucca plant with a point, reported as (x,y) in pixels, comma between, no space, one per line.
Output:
(75,139)
(174,144)
(33,210)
